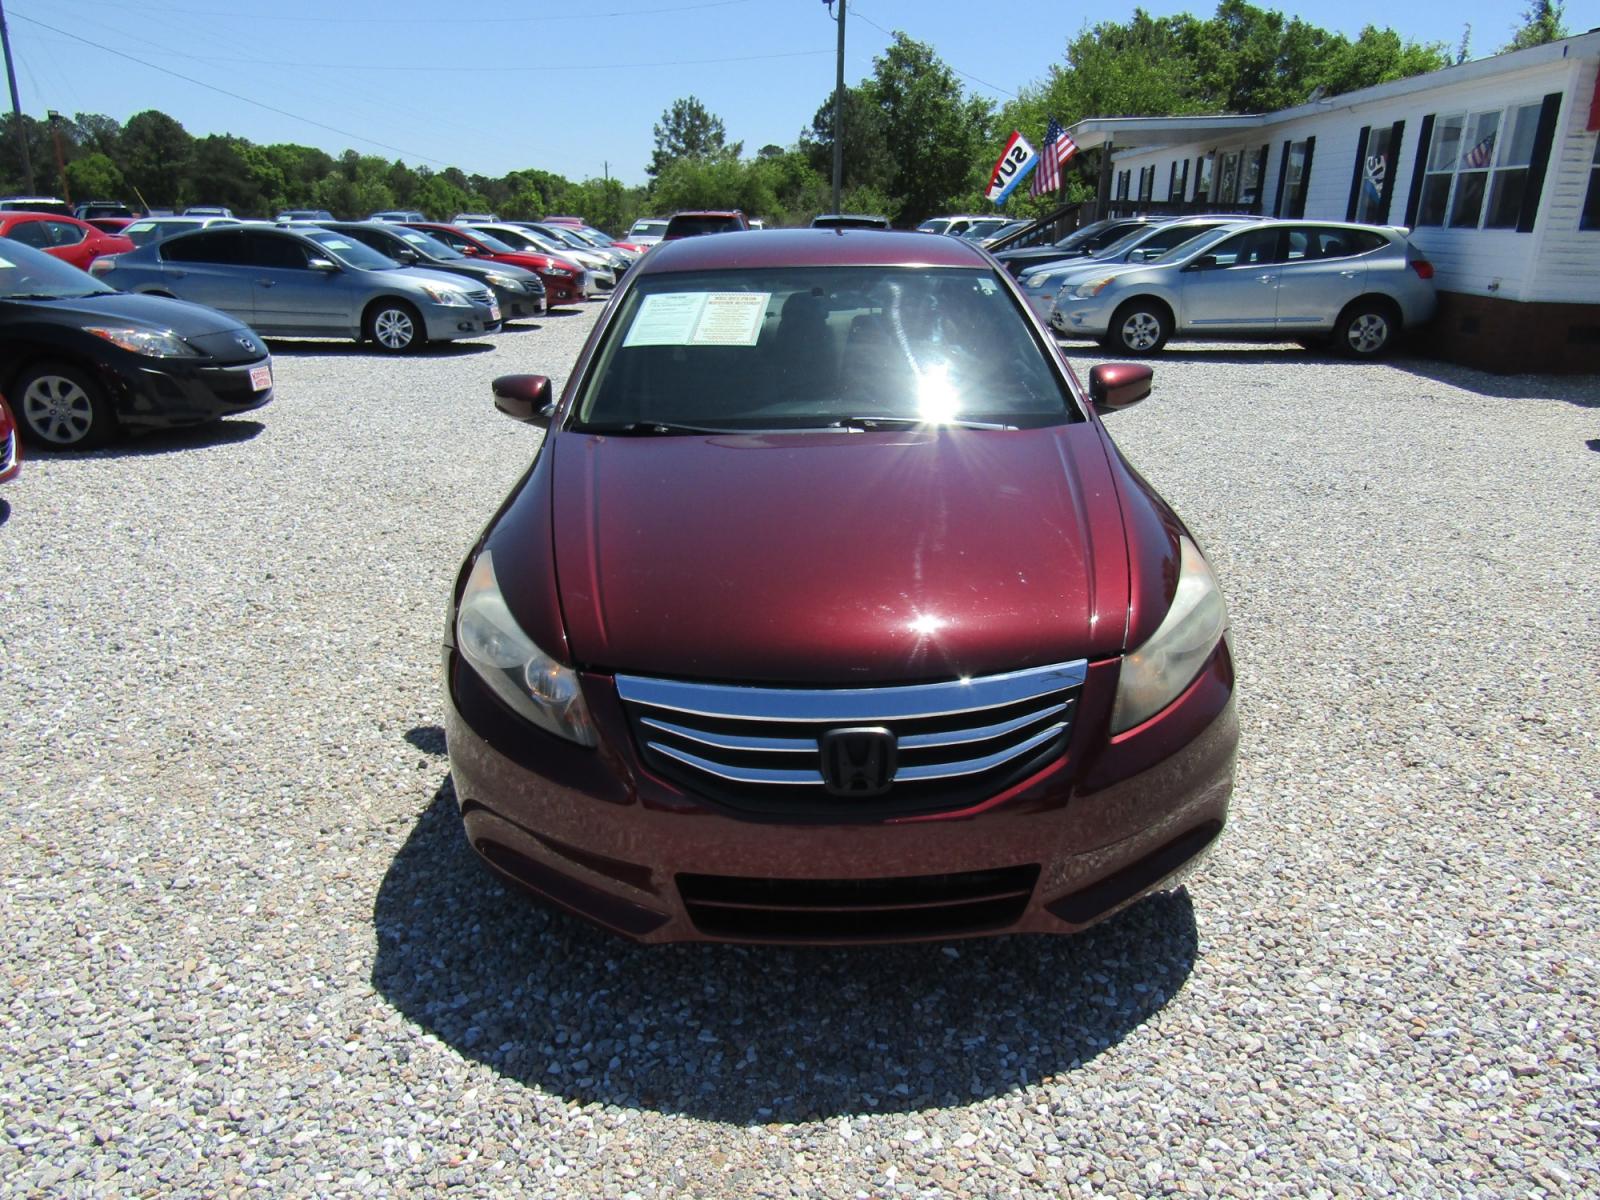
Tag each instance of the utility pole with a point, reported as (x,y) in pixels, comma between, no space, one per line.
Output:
(61,161)
(16,105)
(838,111)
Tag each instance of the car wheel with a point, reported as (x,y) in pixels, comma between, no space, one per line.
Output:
(1139,327)
(63,407)
(395,326)
(1367,329)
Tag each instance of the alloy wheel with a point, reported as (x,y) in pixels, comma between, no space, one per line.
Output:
(394,329)
(1141,331)
(58,409)
(1368,333)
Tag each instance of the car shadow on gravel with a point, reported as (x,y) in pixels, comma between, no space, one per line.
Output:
(167,441)
(751,1034)
(300,348)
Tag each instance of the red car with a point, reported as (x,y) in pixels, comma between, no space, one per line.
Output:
(67,238)
(830,612)
(10,445)
(563,279)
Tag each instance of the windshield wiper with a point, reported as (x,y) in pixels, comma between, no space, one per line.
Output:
(50,295)
(871,423)
(651,429)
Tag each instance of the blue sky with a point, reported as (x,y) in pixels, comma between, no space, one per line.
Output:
(575,89)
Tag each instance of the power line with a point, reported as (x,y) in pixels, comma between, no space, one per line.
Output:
(480,68)
(282,112)
(283,18)
(964,74)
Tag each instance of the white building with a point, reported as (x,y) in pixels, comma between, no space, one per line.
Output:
(1493,165)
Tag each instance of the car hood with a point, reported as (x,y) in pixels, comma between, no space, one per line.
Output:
(838,558)
(152,312)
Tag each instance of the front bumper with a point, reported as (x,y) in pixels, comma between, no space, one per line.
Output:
(445,323)
(597,833)
(516,305)
(152,393)
(560,289)
(1080,318)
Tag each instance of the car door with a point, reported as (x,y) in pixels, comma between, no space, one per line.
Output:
(1233,286)
(289,296)
(1322,272)
(68,242)
(208,269)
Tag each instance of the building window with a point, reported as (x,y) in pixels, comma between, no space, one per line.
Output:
(1252,171)
(1474,157)
(1591,202)
(1123,180)
(1376,165)
(1147,182)
(1203,177)
(1228,178)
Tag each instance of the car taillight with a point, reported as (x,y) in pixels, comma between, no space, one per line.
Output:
(1422,267)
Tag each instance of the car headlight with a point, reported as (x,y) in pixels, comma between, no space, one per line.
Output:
(155,343)
(449,297)
(562,273)
(1156,673)
(532,684)
(505,282)
(1089,288)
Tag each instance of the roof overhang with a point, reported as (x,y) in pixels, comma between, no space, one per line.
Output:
(1127,132)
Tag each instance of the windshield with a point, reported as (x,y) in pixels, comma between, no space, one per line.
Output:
(1198,242)
(516,239)
(429,245)
(1123,244)
(814,347)
(648,229)
(29,273)
(142,232)
(491,243)
(350,251)
(596,237)
(1172,244)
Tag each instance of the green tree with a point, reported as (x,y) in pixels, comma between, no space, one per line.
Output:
(40,154)
(1376,56)
(1542,21)
(94,176)
(934,132)
(220,172)
(157,152)
(689,130)
(867,160)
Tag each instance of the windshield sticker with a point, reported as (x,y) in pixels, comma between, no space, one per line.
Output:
(332,244)
(699,319)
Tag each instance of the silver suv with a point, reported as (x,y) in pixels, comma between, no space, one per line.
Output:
(1361,284)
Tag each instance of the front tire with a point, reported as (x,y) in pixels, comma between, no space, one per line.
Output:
(1139,327)
(63,407)
(395,326)
(1367,329)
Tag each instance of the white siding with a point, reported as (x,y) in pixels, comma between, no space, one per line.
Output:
(1556,262)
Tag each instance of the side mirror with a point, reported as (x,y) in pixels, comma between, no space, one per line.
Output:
(474,251)
(528,398)
(1116,385)
(322,264)
(406,255)
(1206,262)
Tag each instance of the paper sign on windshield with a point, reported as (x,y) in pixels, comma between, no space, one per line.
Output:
(699,319)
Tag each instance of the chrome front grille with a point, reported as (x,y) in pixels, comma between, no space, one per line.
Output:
(481,296)
(944,744)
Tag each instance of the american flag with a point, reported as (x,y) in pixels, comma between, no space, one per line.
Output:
(1058,147)
(1480,154)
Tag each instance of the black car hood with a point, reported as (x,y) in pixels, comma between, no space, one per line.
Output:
(153,312)
(223,338)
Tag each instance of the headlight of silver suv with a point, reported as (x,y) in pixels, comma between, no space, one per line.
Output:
(1155,674)
(532,684)
(1087,289)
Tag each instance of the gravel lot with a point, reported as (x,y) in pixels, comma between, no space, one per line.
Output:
(246,948)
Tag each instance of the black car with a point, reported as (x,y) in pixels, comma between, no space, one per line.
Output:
(80,361)
(1078,243)
(520,292)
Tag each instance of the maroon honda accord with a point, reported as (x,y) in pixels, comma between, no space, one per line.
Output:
(829,612)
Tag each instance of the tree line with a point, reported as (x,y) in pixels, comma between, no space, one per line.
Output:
(916,142)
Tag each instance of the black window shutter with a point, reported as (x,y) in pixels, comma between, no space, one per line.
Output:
(1172,181)
(1199,174)
(1355,176)
(1396,133)
(1540,161)
(1419,169)
(1283,174)
(1183,181)
(1298,208)
(1261,178)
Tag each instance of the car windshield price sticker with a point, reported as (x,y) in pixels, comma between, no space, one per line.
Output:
(699,319)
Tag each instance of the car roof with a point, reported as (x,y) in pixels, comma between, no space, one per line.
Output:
(811,248)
